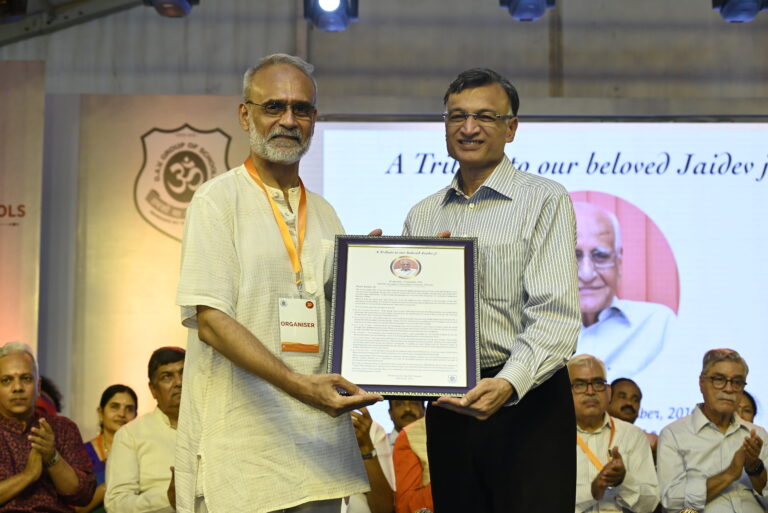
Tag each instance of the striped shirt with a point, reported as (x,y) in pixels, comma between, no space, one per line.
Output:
(528,313)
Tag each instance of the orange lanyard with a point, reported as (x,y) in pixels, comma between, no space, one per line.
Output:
(294,253)
(591,455)
(99,446)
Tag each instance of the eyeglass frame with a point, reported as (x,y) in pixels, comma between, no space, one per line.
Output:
(586,384)
(614,258)
(738,387)
(466,115)
(284,108)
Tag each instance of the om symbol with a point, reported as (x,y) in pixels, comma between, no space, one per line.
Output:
(183,174)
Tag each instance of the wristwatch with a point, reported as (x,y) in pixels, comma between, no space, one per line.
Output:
(369,455)
(756,471)
(53,461)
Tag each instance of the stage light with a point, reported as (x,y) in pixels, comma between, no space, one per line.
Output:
(527,10)
(330,15)
(172,8)
(12,10)
(739,11)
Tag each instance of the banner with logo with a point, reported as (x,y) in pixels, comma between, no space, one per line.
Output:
(142,158)
(22,99)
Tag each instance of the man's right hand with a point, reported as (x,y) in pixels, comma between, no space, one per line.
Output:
(34,467)
(737,464)
(322,391)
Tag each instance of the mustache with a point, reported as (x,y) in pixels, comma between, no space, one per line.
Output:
(285,132)
(629,408)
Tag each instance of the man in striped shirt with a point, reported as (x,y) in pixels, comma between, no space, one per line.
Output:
(507,445)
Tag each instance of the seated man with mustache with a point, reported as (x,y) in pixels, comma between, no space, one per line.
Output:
(625,405)
(139,477)
(713,458)
(614,466)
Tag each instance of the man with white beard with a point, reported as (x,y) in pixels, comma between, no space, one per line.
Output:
(261,428)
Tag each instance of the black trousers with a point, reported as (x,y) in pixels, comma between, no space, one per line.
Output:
(522,459)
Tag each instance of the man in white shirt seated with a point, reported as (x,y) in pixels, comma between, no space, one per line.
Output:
(139,463)
(626,335)
(376,449)
(713,460)
(614,466)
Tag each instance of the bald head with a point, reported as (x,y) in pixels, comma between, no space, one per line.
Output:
(591,215)
(598,252)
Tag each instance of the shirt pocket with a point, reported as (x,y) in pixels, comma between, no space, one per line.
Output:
(501,271)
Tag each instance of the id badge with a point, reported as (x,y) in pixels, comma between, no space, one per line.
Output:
(298,325)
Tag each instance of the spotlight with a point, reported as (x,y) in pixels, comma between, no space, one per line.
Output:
(739,11)
(12,10)
(330,15)
(172,8)
(527,10)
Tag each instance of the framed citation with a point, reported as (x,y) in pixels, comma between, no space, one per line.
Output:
(403,321)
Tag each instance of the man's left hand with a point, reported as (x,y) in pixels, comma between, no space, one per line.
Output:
(614,471)
(481,402)
(171,493)
(362,421)
(753,444)
(43,440)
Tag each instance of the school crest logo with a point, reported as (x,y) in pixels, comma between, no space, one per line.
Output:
(176,163)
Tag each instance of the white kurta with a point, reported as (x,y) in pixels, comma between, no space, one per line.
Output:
(138,467)
(243,444)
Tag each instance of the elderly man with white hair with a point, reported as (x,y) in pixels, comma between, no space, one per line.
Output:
(614,464)
(261,426)
(626,334)
(713,460)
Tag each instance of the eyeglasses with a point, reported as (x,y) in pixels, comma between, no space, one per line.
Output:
(459,117)
(276,108)
(719,382)
(580,387)
(600,258)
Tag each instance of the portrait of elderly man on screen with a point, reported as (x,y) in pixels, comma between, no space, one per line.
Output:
(627,335)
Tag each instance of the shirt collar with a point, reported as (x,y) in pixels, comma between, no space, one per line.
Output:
(162,416)
(501,180)
(606,425)
(700,420)
(13,425)
(616,308)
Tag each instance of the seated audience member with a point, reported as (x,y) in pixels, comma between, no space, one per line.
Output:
(614,465)
(747,407)
(117,407)
(139,465)
(43,464)
(625,405)
(414,488)
(376,449)
(49,399)
(712,458)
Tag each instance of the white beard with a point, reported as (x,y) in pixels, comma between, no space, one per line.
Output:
(268,150)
